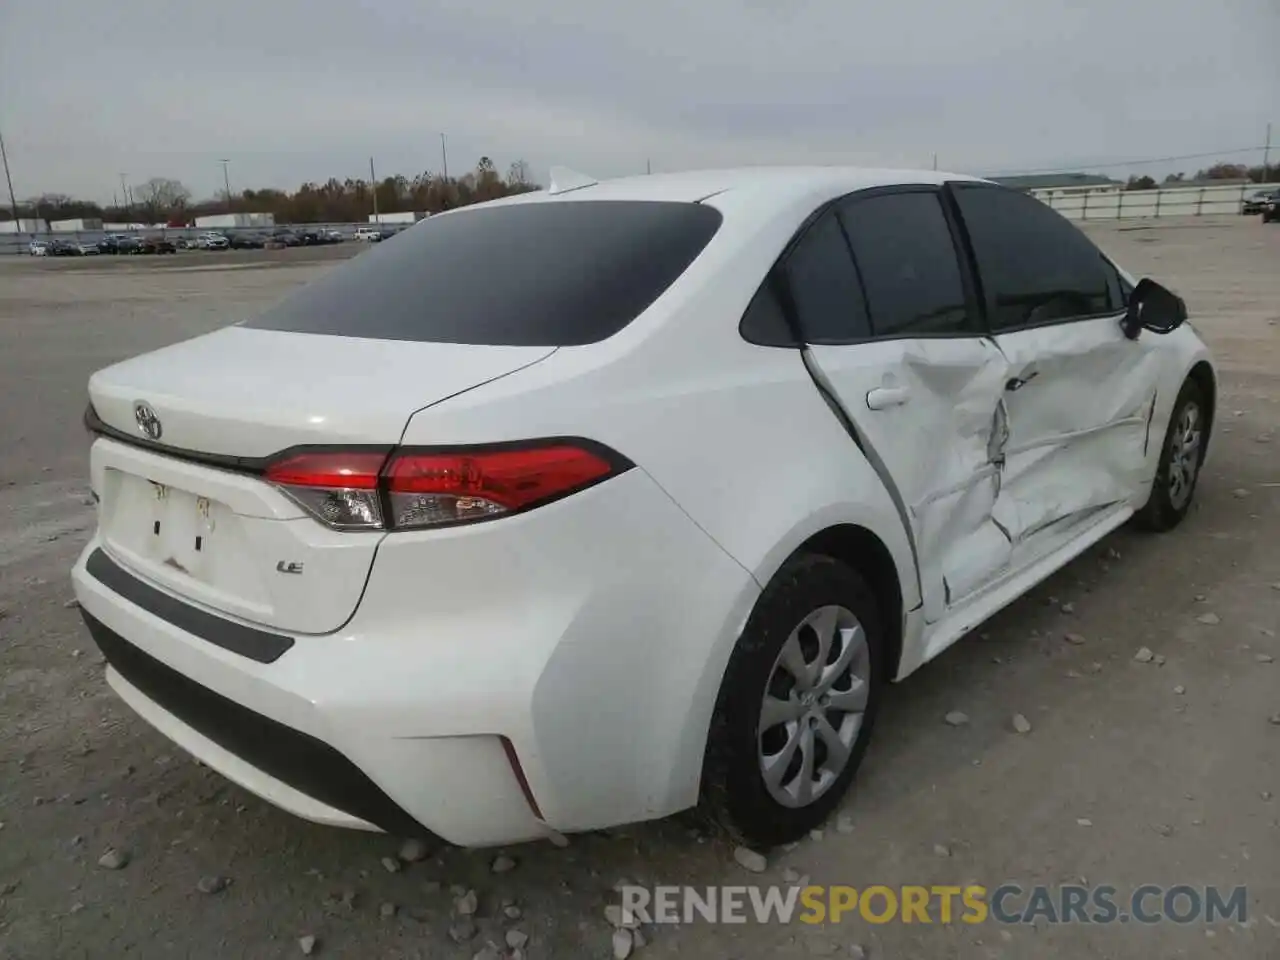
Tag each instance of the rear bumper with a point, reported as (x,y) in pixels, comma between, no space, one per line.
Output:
(290,768)
(549,672)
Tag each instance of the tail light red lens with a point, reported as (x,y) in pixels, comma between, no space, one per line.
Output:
(416,488)
(338,487)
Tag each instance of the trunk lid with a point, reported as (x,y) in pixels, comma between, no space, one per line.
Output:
(186,511)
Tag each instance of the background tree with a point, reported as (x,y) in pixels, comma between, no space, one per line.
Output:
(160,198)
(1140,183)
(347,200)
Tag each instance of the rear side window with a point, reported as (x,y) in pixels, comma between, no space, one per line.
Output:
(824,286)
(907,260)
(1035,266)
(546,273)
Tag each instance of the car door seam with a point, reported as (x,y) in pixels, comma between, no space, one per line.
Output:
(869,453)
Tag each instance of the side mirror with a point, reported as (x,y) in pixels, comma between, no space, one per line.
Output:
(1154,307)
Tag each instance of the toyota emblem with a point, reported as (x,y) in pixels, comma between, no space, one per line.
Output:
(147,420)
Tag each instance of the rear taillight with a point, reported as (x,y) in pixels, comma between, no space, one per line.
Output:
(339,488)
(413,488)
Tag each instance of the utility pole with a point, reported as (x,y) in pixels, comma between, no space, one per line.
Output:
(226,182)
(648,167)
(124,196)
(935,161)
(444,157)
(1266,155)
(13,203)
(373,180)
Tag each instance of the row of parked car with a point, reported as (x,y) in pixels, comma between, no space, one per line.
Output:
(125,243)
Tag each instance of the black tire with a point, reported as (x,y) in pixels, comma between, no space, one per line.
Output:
(734,792)
(1161,512)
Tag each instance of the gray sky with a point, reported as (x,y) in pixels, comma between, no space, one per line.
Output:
(293,90)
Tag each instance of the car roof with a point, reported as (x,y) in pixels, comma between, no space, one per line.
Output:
(773,185)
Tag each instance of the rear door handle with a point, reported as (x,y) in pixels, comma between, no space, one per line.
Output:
(883,397)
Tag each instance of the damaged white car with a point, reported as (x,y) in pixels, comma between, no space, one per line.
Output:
(584,506)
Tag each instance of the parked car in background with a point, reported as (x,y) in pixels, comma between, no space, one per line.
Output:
(389,557)
(129,243)
(38,248)
(1271,210)
(1255,202)
(213,241)
(113,242)
(333,236)
(246,240)
(86,249)
(367,234)
(283,238)
(63,248)
(156,245)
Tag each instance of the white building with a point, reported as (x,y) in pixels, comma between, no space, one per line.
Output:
(23,226)
(223,221)
(78,225)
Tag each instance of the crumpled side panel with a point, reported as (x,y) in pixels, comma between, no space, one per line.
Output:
(1077,422)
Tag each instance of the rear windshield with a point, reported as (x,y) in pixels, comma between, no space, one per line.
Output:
(526,274)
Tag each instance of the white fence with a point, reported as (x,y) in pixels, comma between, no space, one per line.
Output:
(1194,201)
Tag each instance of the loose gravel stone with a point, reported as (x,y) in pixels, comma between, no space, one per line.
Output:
(1210,619)
(750,860)
(307,944)
(387,910)
(1021,724)
(941,850)
(1144,655)
(617,918)
(462,930)
(1074,639)
(1265,658)
(844,824)
(391,864)
(516,939)
(502,864)
(114,859)
(956,718)
(622,944)
(413,850)
(467,904)
(212,884)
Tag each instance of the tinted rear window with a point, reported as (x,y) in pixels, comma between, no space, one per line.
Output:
(527,274)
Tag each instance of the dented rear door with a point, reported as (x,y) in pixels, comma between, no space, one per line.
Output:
(894,336)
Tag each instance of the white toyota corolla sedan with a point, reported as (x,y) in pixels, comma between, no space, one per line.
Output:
(589,505)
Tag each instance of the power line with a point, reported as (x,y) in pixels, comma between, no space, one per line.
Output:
(1214,155)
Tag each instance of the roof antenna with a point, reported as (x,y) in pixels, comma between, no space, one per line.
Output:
(563,180)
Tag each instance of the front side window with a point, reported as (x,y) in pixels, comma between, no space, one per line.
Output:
(1034,265)
(907,261)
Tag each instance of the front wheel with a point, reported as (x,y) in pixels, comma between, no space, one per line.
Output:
(797,703)
(1180,459)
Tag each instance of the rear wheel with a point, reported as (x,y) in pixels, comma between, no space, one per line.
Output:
(1180,460)
(797,704)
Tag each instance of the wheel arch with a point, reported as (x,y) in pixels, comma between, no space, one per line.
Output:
(861,549)
(1204,377)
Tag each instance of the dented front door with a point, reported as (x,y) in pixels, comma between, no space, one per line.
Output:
(1079,400)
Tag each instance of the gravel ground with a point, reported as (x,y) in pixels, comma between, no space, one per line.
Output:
(1121,779)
